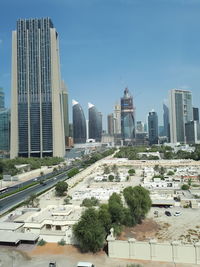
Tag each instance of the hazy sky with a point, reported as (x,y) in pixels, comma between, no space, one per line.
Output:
(151,46)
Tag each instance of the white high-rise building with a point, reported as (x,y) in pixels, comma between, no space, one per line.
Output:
(37,125)
(117,119)
(180,112)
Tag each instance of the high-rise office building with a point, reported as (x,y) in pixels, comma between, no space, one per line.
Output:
(110,121)
(139,127)
(195,114)
(127,118)
(117,119)
(79,123)
(192,132)
(95,123)
(180,112)
(5,130)
(37,127)
(2,98)
(64,93)
(166,130)
(153,127)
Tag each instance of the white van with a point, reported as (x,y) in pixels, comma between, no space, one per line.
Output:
(84,264)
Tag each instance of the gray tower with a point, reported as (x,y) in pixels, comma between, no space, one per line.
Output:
(37,126)
(127,118)
(153,127)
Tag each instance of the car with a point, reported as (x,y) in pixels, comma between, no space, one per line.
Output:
(52,264)
(177,213)
(168,213)
(85,264)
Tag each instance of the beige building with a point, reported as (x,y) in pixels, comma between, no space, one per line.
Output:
(37,124)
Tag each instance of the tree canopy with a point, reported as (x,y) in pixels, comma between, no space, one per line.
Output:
(138,201)
(89,231)
(61,187)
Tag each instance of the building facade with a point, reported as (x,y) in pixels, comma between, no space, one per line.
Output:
(117,119)
(192,132)
(37,126)
(110,121)
(5,130)
(64,93)
(195,114)
(2,98)
(79,123)
(180,112)
(166,130)
(153,127)
(127,118)
(95,123)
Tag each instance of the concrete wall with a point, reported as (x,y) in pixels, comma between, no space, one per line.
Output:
(152,250)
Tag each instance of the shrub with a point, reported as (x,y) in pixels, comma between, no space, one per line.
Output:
(62,242)
(41,242)
(185,187)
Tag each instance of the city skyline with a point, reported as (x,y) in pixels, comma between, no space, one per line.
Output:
(122,49)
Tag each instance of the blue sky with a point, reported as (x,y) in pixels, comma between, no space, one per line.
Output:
(151,46)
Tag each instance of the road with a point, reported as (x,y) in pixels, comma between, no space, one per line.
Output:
(11,201)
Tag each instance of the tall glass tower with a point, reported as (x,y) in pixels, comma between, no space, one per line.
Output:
(2,97)
(37,127)
(180,113)
(127,118)
(95,123)
(79,123)
(153,127)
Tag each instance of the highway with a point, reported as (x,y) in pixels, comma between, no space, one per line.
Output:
(11,201)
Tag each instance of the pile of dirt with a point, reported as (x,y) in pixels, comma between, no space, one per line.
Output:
(141,232)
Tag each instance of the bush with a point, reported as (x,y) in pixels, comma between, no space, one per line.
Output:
(41,242)
(111,177)
(89,202)
(62,242)
(131,172)
(185,187)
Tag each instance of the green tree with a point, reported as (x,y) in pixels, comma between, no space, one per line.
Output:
(89,202)
(89,231)
(185,187)
(61,187)
(72,172)
(116,208)
(138,201)
(111,178)
(170,173)
(105,217)
(131,172)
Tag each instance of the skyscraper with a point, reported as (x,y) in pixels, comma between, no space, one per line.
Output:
(127,118)
(153,127)
(2,104)
(79,123)
(180,112)
(117,119)
(5,130)
(110,121)
(65,110)
(37,127)
(166,121)
(139,127)
(95,123)
(195,114)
